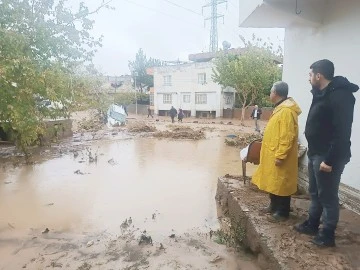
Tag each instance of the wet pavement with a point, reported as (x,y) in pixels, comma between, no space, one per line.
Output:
(166,187)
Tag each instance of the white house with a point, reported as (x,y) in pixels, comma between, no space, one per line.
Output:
(321,29)
(190,87)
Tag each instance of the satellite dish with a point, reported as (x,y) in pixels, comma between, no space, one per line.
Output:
(226,45)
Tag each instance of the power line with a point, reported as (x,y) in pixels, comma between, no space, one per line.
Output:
(153,9)
(185,8)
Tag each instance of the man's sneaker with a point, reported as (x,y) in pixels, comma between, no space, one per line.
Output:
(324,239)
(306,228)
(276,217)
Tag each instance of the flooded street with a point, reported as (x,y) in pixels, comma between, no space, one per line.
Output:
(164,187)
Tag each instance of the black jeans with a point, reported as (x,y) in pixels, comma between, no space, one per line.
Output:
(280,204)
(324,192)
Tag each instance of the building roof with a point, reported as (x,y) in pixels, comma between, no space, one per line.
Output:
(208,56)
(282,13)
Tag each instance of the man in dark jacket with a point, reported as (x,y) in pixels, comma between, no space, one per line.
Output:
(328,132)
(256,113)
(173,113)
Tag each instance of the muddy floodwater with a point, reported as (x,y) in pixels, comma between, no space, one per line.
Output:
(166,187)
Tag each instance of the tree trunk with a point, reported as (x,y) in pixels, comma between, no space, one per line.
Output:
(243,109)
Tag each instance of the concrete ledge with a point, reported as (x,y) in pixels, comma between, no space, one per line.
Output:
(277,245)
(57,129)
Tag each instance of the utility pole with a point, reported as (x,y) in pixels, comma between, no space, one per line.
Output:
(136,109)
(213,4)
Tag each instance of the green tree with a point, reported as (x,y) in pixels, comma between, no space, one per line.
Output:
(249,73)
(41,44)
(139,67)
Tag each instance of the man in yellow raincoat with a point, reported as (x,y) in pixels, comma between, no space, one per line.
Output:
(278,170)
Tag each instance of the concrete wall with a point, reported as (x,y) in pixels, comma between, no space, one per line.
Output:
(142,109)
(184,81)
(337,40)
(57,129)
(236,113)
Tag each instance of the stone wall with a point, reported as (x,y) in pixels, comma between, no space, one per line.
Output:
(236,113)
(57,129)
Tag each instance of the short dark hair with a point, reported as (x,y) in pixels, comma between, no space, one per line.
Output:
(281,89)
(324,67)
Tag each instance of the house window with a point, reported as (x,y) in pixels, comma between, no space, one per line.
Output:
(200,98)
(167,99)
(202,78)
(151,99)
(228,99)
(167,80)
(186,98)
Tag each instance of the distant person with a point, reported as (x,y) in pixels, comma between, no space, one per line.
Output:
(277,173)
(328,132)
(256,113)
(173,113)
(180,115)
(149,113)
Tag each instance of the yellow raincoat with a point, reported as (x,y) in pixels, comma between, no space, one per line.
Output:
(280,142)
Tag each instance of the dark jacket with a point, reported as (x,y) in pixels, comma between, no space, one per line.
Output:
(258,113)
(173,112)
(328,126)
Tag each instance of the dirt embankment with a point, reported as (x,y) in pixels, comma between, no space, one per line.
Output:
(181,132)
(243,140)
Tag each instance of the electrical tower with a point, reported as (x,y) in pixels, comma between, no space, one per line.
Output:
(214,22)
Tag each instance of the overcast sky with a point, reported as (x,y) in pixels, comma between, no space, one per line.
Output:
(163,30)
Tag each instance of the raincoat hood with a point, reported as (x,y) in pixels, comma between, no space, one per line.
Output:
(343,84)
(290,104)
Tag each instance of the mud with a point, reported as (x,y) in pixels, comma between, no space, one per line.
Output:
(81,192)
(91,121)
(185,133)
(243,140)
(140,127)
(277,245)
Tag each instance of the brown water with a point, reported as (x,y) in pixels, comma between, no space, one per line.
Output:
(175,180)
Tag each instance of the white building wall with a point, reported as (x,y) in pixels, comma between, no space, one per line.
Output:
(338,40)
(184,80)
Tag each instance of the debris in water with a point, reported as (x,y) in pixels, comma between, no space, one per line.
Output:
(79,172)
(216,259)
(125,224)
(84,266)
(56,265)
(49,204)
(172,236)
(11,226)
(90,243)
(161,247)
(145,240)
(112,162)
(46,231)
(154,216)
(93,157)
